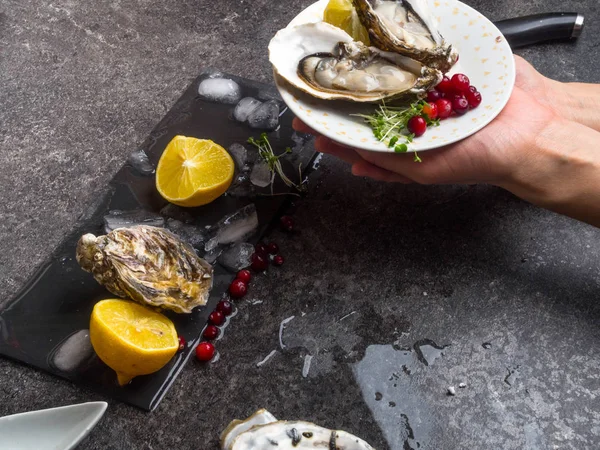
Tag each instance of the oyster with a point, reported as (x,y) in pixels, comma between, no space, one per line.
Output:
(327,63)
(295,435)
(407,27)
(237,427)
(148,265)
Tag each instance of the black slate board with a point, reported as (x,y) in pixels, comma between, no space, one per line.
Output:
(58,300)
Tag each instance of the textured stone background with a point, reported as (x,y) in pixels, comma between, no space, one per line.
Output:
(82,83)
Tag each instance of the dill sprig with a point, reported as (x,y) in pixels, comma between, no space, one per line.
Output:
(390,124)
(265,151)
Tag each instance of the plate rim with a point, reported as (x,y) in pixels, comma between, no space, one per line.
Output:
(286,90)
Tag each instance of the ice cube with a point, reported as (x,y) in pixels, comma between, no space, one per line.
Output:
(237,226)
(261,174)
(244,108)
(73,352)
(123,219)
(211,256)
(239,154)
(220,90)
(265,117)
(140,163)
(192,234)
(237,257)
(212,73)
(211,244)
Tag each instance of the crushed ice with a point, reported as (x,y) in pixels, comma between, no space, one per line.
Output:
(73,351)
(220,90)
(123,219)
(237,257)
(139,161)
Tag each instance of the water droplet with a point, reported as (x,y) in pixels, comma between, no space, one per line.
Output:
(378,396)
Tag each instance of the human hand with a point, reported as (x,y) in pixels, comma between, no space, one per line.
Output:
(533,148)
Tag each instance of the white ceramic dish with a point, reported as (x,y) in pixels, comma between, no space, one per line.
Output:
(50,429)
(485,57)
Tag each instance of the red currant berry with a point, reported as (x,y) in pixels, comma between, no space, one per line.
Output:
(181,343)
(272,248)
(210,332)
(474,99)
(460,105)
(287,223)
(430,110)
(205,351)
(225,307)
(259,262)
(460,82)
(472,89)
(261,249)
(445,86)
(417,126)
(444,108)
(244,275)
(433,96)
(237,288)
(278,260)
(216,318)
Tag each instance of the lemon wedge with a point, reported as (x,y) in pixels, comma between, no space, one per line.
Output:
(131,339)
(193,172)
(341,14)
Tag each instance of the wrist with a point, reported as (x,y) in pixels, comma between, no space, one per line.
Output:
(560,171)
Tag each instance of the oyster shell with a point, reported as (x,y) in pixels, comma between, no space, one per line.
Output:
(407,27)
(325,62)
(237,427)
(148,265)
(296,435)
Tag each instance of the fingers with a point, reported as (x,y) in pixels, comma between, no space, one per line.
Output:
(364,169)
(300,126)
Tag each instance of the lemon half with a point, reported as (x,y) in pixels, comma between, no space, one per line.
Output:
(341,14)
(193,172)
(131,339)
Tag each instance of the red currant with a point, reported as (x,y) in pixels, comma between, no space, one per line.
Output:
(474,99)
(278,260)
(287,223)
(460,105)
(433,96)
(238,288)
(261,249)
(244,275)
(205,351)
(417,126)
(272,248)
(444,108)
(472,88)
(216,318)
(181,343)
(259,262)
(225,307)
(460,82)
(430,110)
(445,86)
(210,332)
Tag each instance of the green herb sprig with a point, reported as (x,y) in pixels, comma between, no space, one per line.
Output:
(265,151)
(390,124)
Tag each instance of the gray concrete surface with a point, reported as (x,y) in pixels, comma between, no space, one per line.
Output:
(81,83)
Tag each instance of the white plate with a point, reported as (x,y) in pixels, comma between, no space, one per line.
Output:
(50,429)
(485,57)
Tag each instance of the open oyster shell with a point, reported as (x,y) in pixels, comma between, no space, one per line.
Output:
(325,62)
(262,431)
(148,265)
(407,27)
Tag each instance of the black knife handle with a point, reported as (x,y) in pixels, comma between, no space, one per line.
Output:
(529,30)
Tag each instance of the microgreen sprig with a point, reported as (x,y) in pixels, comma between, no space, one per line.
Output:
(390,124)
(265,151)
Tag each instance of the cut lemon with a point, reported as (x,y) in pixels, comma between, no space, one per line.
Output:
(131,339)
(341,14)
(193,172)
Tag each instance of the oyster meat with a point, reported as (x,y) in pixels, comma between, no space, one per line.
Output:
(407,27)
(148,265)
(327,63)
(263,431)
